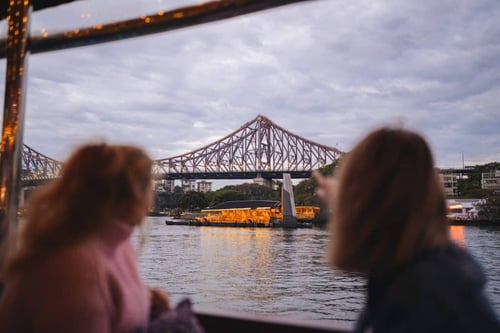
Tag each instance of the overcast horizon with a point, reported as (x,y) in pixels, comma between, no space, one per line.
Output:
(328,71)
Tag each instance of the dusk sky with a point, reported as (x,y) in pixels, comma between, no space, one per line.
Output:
(326,70)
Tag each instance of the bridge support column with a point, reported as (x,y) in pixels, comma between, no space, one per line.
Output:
(288,203)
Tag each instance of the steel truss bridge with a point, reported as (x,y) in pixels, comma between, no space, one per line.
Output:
(259,148)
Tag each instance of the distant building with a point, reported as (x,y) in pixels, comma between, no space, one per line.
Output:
(169,185)
(188,185)
(164,185)
(449,181)
(158,186)
(491,180)
(204,186)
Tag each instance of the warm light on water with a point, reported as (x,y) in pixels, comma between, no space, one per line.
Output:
(457,233)
(274,271)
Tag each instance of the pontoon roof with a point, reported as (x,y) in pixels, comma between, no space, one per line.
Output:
(246,204)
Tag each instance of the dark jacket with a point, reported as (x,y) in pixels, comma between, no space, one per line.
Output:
(440,291)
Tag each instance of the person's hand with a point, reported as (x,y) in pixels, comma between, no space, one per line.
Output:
(160,301)
(326,186)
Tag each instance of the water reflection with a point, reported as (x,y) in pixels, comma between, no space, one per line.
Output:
(230,255)
(457,233)
(274,271)
(484,244)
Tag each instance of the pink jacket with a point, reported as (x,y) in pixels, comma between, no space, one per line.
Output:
(93,286)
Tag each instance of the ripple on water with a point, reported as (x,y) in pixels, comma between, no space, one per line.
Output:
(272,271)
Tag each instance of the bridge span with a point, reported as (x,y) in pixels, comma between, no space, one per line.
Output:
(259,148)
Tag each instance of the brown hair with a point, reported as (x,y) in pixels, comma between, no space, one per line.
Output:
(98,183)
(389,205)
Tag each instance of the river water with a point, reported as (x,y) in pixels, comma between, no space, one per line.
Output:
(281,272)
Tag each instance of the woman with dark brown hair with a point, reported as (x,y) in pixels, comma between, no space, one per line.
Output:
(74,268)
(387,218)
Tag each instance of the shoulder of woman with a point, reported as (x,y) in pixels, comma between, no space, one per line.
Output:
(63,289)
(450,267)
(71,270)
(442,279)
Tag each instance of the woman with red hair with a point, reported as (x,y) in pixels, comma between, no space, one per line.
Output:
(74,266)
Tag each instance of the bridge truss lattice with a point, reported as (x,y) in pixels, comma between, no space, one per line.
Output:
(38,168)
(259,148)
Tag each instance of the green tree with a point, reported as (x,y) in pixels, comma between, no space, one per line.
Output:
(192,200)
(329,169)
(210,197)
(470,187)
(226,194)
(255,191)
(166,200)
(490,210)
(305,193)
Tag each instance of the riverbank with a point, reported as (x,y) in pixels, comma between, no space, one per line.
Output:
(485,223)
(191,222)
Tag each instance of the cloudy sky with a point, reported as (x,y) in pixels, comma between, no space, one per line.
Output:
(326,70)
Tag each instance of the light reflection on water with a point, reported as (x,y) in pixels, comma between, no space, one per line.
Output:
(484,244)
(273,271)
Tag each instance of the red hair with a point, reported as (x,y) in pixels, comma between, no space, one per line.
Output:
(99,182)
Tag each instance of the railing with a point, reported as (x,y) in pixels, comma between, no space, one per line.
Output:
(227,321)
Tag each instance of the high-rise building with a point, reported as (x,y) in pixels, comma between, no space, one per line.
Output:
(491,180)
(204,186)
(164,185)
(449,181)
(188,185)
(169,185)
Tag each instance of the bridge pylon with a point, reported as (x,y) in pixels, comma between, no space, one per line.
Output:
(288,203)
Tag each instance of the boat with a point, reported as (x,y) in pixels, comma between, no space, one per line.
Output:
(257,213)
(253,213)
(184,218)
(155,213)
(179,222)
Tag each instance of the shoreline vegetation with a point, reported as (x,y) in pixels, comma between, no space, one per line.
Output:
(181,217)
(303,224)
(174,202)
(479,223)
(177,202)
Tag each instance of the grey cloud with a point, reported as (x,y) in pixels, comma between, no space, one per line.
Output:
(327,70)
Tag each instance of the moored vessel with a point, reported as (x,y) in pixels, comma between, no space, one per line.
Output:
(253,213)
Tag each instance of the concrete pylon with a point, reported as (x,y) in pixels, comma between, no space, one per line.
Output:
(288,203)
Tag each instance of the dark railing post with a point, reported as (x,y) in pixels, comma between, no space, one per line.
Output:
(11,146)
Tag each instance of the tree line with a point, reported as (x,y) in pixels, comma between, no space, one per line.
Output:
(304,193)
(470,187)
